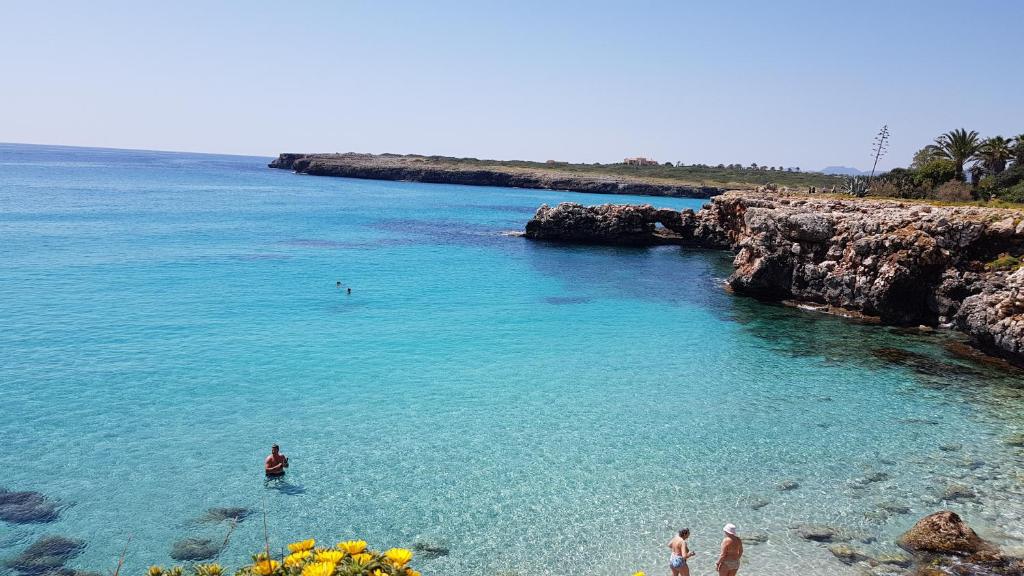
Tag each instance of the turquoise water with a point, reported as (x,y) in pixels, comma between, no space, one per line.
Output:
(535,408)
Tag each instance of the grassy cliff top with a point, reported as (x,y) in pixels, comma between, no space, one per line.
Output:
(698,175)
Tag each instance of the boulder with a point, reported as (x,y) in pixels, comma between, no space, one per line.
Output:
(942,533)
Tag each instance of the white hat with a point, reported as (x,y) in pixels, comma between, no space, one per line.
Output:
(730,529)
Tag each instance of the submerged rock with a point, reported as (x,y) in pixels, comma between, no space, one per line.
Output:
(759,503)
(894,507)
(191,549)
(236,514)
(788,485)
(47,554)
(958,492)
(755,538)
(26,507)
(816,532)
(895,559)
(847,554)
(428,549)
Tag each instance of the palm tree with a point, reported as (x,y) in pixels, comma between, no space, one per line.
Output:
(994,153)
(1018,150)
(958,146)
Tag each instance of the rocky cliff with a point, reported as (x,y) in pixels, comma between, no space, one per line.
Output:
(906,264)
(437,171)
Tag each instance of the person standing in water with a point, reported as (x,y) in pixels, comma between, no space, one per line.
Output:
(732,550)
(680,553)
(275,463)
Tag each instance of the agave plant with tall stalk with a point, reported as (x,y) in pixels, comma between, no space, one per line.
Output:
(958,145)
(994,153)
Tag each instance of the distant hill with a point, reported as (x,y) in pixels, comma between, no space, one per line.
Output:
(844,171)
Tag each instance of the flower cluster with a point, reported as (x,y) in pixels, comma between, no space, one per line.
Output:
(349,558)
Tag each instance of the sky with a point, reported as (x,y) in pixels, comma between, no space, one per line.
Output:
(782,83)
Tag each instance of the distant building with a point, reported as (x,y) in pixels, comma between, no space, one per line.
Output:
(640,161)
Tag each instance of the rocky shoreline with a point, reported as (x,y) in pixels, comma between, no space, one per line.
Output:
(902,263)
(425,169)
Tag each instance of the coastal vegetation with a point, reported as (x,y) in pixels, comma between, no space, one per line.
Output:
(348,558)
(959,166)
(733,175)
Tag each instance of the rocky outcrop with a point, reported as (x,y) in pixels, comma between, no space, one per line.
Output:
(942,533)
(944,540)
(437,170)
(626,224)
(903,263)
(995,316)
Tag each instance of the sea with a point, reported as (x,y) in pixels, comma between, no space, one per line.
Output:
(505,406)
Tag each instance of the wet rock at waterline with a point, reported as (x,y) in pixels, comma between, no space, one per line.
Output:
(944,542)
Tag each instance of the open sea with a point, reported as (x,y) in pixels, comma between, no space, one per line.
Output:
(535,409)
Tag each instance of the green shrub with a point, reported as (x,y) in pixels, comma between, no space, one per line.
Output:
(1004,262)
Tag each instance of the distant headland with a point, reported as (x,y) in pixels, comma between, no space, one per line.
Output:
(639,176)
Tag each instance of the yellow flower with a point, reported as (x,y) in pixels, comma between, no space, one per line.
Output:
(300,546)
(399,556)
(209,570)
(639,574)
(319,569)
(362,558)
(266,567)
(155,570)
(352,546)
(411,572)
(296,558)
(329,556)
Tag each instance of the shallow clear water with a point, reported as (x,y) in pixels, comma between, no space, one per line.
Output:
(535,408)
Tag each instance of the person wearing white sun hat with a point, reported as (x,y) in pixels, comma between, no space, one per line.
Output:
(732,550)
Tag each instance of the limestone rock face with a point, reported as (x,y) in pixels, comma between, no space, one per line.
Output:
(619,225)
(995,316)
(942,533)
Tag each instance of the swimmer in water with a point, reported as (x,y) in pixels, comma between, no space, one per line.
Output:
(338,284)
(349,291)
(276,463)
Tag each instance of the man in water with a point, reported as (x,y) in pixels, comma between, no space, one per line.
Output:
(732,550)
(276,462)
(680,553)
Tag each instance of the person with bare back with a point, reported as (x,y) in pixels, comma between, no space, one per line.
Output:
(679,553)
(732,550)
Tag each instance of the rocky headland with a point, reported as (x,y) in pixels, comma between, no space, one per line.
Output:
(902,263)
(438,170)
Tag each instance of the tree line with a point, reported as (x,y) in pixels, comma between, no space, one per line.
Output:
(960,165)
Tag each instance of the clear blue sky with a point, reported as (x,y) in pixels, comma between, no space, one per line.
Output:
(781,83)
